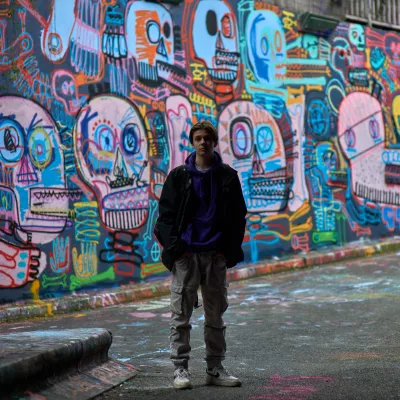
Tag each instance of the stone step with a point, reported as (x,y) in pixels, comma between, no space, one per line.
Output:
(59,364)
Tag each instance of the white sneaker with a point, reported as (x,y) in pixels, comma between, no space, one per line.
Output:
(219,376)
(182,379)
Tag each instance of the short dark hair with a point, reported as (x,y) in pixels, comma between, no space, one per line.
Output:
(208,127)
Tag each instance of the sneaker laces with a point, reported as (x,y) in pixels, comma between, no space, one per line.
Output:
(182,373)
(223,372)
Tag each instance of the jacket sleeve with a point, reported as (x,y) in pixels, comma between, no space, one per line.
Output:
(241,210)
(165,229)
(239,223)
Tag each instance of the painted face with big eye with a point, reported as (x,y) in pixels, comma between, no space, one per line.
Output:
(111,148)
(31,170)
(217,45)
(250,141)
(361,118)
(65,90)
(267,47)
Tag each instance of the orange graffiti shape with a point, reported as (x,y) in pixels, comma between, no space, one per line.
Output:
(145,49)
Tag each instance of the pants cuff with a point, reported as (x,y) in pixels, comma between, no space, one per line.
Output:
(181,363)
(214,363)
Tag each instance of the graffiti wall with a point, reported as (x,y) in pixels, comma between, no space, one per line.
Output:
(97,98)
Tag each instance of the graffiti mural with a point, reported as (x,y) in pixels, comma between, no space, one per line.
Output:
(97,99)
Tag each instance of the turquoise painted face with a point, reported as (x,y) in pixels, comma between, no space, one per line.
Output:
(266,47)
(357,36)
(378,58)
(310,43)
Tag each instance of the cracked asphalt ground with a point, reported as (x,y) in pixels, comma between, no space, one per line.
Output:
(331,332)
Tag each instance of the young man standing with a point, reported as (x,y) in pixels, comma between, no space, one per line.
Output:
(201,226)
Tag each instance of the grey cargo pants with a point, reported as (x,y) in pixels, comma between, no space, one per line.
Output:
(208,270)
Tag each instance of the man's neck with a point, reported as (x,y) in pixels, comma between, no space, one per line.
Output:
(204,162)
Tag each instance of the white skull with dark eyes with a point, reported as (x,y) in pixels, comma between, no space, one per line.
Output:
(215,39)
(111,149)
(250,141)
(150,40)
(32,181)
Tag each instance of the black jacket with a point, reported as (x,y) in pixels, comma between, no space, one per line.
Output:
(175,212)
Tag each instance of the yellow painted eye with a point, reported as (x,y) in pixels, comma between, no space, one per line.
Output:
(40,148)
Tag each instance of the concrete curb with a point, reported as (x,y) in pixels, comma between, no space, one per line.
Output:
(32,357)
(154,289)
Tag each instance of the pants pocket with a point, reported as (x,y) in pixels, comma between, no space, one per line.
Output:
(176,299)
(224,297)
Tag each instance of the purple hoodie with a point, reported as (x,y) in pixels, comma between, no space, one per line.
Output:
(202,233)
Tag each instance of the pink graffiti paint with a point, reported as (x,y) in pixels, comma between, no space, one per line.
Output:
(286,388)
(143,315)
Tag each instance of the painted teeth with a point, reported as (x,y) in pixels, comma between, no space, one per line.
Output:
(227,75)
(222,61)
(147,72)
(159,178)
(57,194)
(129,219)
(228,54)
(271,188)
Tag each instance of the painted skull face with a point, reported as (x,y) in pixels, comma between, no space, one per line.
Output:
(342,57)
(111,150)
(250,140)
(32,182)
(65,90)
(150,41)
(267,47)
(215,40)
(361,133)
(360,125)
(357,36)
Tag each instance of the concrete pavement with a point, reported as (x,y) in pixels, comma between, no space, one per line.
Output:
(92,299)
(310,334)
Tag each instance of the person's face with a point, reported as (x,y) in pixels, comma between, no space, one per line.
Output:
(203,143)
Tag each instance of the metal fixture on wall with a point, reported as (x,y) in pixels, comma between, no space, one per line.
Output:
(317,24)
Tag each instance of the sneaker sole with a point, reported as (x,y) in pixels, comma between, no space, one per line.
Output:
(183,386)
(216,382)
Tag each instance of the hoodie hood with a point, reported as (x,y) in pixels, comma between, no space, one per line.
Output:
(191,163)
